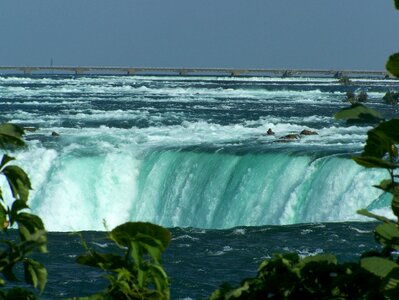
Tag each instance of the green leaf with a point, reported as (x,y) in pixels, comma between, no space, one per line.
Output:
(125,233)
(396,4)
(395,204)
(377,145)
(378,265)
(381,139)
(8,273)
(154,251)
(238,292)
(221,292)
(318,258)
(159,276)
(3,217)
(374,162)
(18,181)
(35,273)
(138,259)
(358,112)
(20,294)
(366,213)
(389,129)
(5,160)
(32,222)
(387,234)
(11,134)
(288,259)
(102,261)
(31,228)
(391,283)
(387,185)
(392,64)
(11,130)
(18,205)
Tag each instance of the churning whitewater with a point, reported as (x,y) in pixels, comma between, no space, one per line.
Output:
(191,151)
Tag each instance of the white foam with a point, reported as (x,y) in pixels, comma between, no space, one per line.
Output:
(79,193)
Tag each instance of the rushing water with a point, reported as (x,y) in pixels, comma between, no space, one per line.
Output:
(191,152)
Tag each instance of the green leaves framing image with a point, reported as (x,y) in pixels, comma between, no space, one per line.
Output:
(30,228)
(287,276)
(135,273)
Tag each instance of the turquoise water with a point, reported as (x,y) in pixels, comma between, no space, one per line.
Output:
(191,153)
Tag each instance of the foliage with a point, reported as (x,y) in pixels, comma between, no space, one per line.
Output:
(10,135)
(358,113)
(381,151)
(391,98)
(137,273)
(393,64)
(32,235)
(286,276)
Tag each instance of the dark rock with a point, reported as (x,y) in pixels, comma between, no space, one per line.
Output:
(55,134)
(308,132)
(31,129)
(291,136)
(269,132)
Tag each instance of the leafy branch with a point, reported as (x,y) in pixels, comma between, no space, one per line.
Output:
(31,231)
(137,272)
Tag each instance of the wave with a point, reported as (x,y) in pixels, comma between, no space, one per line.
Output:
(196,189)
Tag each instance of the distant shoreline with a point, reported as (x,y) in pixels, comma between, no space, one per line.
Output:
(98,70)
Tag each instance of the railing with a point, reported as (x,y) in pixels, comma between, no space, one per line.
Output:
(81,70)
